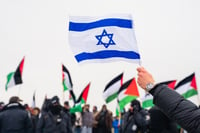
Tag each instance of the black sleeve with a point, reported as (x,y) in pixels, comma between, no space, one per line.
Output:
(140,121)
(28,123)
(184,112)
(69,124)
(40,124)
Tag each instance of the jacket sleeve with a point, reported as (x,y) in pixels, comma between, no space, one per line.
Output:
(69,124)
(28,123)
(184,112)
(40,124)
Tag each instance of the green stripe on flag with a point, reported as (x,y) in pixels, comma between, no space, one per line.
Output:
(111,97)
(189,93)
(117,112)
(64,85)
(76,108)
(147,103)
(126,100)
(9,77)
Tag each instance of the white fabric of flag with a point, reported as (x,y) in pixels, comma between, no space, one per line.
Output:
(147,101)
(103,38)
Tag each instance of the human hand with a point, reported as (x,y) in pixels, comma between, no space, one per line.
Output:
(144,78)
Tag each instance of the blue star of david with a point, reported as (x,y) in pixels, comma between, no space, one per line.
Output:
(103,42)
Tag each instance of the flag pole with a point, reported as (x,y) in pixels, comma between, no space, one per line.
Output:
(63,95)
(19,90)
(119,122)
(140,63)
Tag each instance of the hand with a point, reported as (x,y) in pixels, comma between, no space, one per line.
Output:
(144,77)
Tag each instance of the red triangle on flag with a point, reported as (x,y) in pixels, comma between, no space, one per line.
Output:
(172,84)
(193,83)
(132,89)
(21,66)
(85,92)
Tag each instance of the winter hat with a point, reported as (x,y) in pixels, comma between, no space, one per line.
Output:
(66,103)
(55,100)
(136,104)
(15,99)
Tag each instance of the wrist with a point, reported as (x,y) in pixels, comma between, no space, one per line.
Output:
(149,86)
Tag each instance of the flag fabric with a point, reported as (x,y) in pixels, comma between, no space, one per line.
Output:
(127,93)
(33,102)
(118,110)
(15,78)
(103,38)
(66,79)
(81,100)
(112,88)
(72,96)
(187,87)
(147,100)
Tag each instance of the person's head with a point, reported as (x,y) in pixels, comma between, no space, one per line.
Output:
(27,107)
(135,105)
(94,109)
(55,100)
(116,117)
(104,107)
(55,106)
(66,105)
(36,111)
(15,99)
(87,107)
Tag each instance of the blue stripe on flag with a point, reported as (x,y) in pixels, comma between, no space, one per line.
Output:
(123,23)
(107,54)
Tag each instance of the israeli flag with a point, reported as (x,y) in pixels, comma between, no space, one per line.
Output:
(103,38)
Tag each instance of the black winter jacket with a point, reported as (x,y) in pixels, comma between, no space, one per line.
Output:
(15,119)
(49,123)
(134,122)
(184,112)
(160,123)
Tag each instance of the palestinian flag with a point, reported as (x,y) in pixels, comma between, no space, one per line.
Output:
(111,89)
(66,79)
(147,100)
(127,93)
(15,78)
(187,87)
(81,100)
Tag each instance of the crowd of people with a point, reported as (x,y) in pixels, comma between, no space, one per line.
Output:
(167,116)
(54,118)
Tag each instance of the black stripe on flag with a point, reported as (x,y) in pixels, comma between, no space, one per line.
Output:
(119,77)
(185,80)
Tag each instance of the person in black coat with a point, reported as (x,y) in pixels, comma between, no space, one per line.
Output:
(104,120)
(55,120)
(71,121)
(160,123)
(136,120)
(35,117)
(181,110)
(14,118)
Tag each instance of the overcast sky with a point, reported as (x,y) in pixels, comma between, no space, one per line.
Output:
(167,34)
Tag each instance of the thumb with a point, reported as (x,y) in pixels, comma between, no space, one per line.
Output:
(140,69)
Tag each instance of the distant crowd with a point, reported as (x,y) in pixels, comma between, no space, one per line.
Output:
(54,118)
